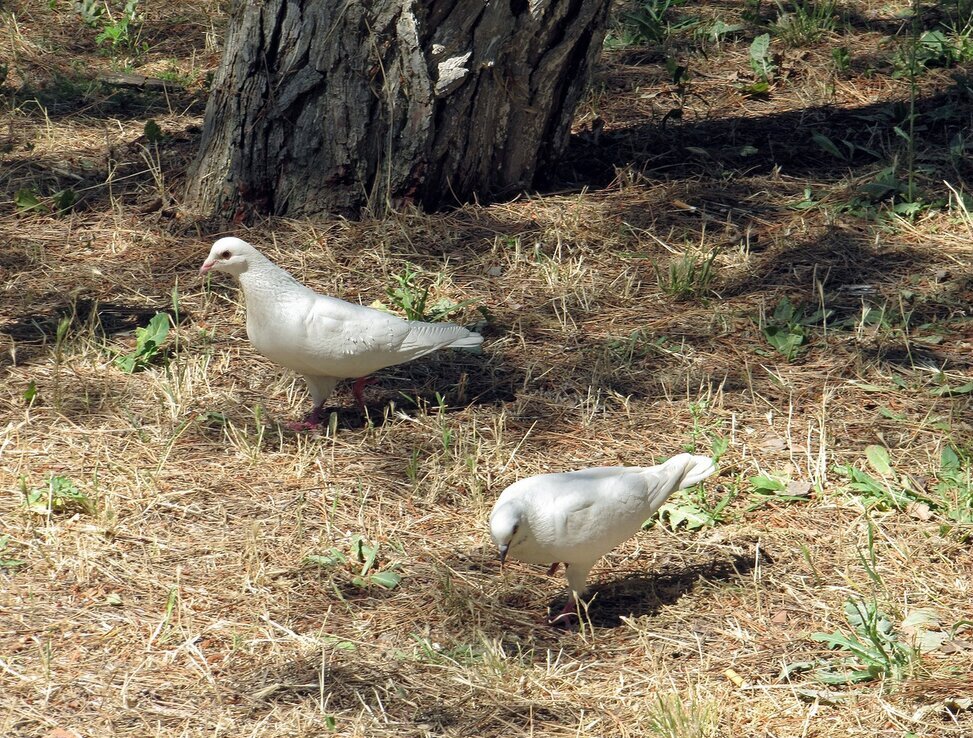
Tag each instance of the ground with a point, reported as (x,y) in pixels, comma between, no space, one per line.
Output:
(769,261)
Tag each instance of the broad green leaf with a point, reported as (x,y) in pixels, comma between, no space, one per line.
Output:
(328,560)
(828,145)
(65,200)
(878,459)
(27,200)
(126,363)
(948,458)
(387,579)
(154,334)
(767,485)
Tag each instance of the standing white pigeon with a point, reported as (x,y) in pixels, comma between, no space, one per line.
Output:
(323,338)
(577,517)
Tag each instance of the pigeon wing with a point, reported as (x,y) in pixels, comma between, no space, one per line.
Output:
(349,340)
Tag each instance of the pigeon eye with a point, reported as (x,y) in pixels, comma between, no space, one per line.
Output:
(225,255)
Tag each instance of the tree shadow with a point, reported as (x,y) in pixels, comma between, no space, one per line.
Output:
(32,334)
(759,144)
(114,95)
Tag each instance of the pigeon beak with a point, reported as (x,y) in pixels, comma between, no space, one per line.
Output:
(503,555)
(207,265)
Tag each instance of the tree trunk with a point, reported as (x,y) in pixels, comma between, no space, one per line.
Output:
(339,105)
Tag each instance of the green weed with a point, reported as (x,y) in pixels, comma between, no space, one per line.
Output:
(148,345)
(752,12)
(805,21)
(841,58)
(58,495)
(873,647)
(673,716)
(362,553)
(5,561)
(690,508)
(647,23)
(887,490)
(718,30)
(27,200)
(954,485)
(121,31)
(762,64)
(413,300)
(692,275)
(935,48)
(766,488)
(787,328)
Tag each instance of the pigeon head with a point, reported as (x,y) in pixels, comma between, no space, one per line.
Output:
(231,255)
(508,527)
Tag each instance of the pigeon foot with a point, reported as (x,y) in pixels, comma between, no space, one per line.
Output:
(312,421)
(568,617)
(553,570)
(358,389)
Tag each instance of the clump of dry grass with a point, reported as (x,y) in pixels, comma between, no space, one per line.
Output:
(183,601)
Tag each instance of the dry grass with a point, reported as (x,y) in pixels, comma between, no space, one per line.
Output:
(183,603)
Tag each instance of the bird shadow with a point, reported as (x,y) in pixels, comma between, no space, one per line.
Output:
(642,594)
(427,385)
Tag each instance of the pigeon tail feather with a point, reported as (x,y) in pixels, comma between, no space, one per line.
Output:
(689,469)
(440,335)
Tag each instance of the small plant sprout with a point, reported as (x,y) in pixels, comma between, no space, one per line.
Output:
(407,296)
(59,495)
(412,468)
(762,64)
(30,394)
(689,276)
(787,328)
(874,649)
(6,562)
(361,553)
(148,345)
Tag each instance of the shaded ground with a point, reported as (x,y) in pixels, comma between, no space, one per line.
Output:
(181,600)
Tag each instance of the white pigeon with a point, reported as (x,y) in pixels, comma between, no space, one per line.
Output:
(323,338)
(577,517)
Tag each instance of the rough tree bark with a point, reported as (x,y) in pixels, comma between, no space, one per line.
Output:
(339,105)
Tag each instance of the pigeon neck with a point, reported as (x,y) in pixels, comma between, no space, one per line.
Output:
(264,278)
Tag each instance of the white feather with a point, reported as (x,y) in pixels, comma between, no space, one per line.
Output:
(323,338)
(577,517)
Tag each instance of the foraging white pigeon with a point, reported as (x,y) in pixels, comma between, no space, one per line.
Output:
(577,517)
(323,338)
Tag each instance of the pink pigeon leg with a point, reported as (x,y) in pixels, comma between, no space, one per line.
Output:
(553,570)
(358,388)
(312,420)
(568,614)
